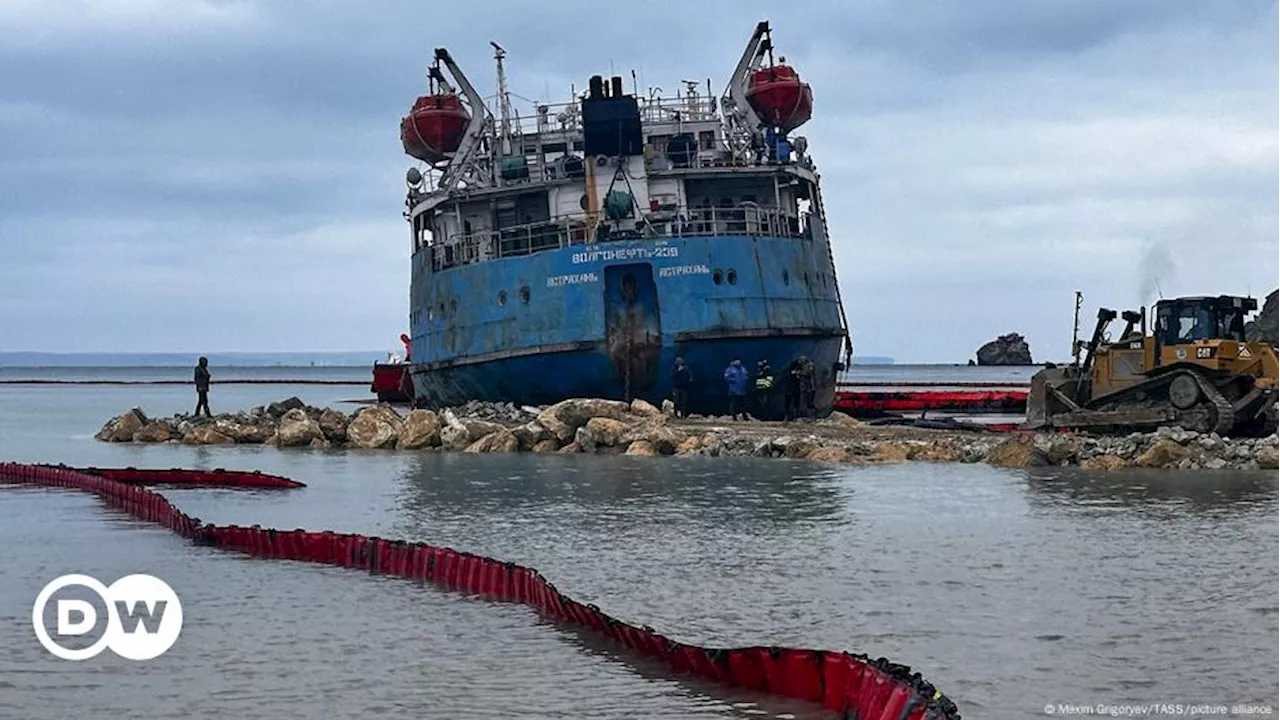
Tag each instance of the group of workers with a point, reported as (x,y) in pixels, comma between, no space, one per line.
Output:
(799,382)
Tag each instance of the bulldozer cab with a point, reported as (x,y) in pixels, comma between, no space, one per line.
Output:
(1183,321)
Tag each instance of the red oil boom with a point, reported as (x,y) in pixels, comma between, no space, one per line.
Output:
(855,685)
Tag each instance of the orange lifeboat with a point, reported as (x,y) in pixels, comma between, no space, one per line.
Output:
(434,127)
(779,98)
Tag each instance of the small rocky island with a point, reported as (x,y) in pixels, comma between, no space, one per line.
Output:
(1011,349)
(1265,326)
(588,425)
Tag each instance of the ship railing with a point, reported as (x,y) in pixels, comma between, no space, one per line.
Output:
(558,117)
(533,238)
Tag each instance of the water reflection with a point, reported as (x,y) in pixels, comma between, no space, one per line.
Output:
(726,491)
(1154,491)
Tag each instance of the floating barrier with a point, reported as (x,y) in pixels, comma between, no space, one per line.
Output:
(856,685)
(200,478)
(967,401)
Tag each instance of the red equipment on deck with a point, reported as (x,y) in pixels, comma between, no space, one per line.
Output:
(779,98)
(434,127)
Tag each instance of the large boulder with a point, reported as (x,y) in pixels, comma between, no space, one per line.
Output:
(829,454)
(421,429)
(1008,349)
(375,427)
(600,431)
(1103,463)
(297,429)
(644,408)
(565,417)
(655,431)
(205,435)
(122,427)
(1266,456)
(549,445)
(641,447)
(242,432)
(1265,326)
(460,433)
(278,409)
(500,441)
(333,424)
(1019,451)
(154,432)
(1163,453)
(532,433)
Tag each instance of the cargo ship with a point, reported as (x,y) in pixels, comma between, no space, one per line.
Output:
(578,249)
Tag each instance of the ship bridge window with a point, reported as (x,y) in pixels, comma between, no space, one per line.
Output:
(502,298)
(732,277)
(524,294)
(717,277)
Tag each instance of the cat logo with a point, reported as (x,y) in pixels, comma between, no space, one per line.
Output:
(1182,353)
(1244,352)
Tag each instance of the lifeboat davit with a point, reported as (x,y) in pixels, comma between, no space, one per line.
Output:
(434,127)
(779,98)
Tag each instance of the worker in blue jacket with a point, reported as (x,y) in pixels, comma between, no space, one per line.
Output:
(735,377)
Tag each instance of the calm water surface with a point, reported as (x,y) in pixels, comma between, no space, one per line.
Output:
(1009,590)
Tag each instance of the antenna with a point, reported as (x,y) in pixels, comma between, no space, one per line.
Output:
(1075,331)
(504,100)
(1159,293)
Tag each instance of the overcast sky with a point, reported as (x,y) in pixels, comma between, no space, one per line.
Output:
(227,176)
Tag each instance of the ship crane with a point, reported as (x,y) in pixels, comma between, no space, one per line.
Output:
(461,164)
(737,110)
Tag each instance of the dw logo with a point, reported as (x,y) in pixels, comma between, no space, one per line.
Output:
(143,617)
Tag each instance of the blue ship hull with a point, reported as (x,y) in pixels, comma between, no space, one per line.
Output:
(609,319)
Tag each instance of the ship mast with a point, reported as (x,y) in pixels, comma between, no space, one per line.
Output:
(504,99)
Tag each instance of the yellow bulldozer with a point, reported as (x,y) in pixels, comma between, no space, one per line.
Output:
(1195,370)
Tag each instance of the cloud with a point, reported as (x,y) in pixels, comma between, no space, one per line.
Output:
(227,175)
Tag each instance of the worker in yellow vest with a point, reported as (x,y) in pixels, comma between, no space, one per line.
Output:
(764,383)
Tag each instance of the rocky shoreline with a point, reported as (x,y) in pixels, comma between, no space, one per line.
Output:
(612,427)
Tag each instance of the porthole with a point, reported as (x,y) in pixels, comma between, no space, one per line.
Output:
(717,277)
(441,307)
(524,294)
(431,314)
(786,278)
(732,277)
(502,298)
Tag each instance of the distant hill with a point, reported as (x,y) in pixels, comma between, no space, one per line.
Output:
(353,358)
(872,360)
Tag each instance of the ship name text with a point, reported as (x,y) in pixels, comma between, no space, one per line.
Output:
(637,253)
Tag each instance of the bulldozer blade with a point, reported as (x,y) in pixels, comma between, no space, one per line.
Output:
(1105,418)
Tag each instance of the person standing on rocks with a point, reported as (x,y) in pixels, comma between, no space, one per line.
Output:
(791,391)
(764,384)
(735,377)
(202,386)
(681,380)
(808,386)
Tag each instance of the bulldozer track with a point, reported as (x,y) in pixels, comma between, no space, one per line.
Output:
(1226,417)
